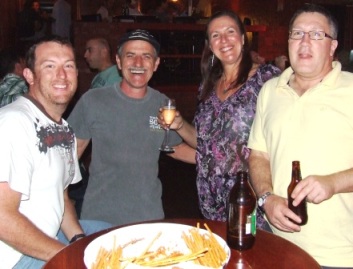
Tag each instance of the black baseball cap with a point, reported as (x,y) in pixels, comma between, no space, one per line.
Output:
(139,35)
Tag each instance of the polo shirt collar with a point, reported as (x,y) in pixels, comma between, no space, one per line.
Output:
(328,81)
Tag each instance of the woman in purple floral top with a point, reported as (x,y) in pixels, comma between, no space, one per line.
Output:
(223,129)
(228,93)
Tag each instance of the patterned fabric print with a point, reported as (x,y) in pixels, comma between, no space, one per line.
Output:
(11,87)
(223,129)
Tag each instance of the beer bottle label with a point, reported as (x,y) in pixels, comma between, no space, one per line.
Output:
(253,222)
(250,226)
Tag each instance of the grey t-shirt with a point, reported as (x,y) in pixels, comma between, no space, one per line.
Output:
(123,184)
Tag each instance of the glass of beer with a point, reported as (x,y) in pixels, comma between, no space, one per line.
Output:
(168,113)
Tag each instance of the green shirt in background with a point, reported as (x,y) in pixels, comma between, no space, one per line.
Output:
(11,87)
(107,77)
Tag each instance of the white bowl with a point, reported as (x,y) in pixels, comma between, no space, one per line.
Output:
(144,234)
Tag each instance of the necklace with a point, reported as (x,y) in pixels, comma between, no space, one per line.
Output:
(224,91)
(226,88)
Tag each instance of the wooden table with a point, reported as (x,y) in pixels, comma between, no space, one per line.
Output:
(269,251)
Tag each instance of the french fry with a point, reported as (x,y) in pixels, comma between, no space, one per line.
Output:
(108,259)
(216,254)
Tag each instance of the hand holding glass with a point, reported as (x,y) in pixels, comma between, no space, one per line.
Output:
(168,113)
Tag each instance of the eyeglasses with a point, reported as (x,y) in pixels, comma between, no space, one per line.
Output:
(313,35)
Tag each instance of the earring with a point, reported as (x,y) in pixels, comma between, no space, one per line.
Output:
(212,59)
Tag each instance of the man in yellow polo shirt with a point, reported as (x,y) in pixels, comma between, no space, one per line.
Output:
(306,114)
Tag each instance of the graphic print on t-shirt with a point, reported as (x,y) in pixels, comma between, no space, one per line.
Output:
(54,135)
(154,125)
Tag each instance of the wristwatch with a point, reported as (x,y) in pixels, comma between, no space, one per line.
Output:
(76,237)
(262,200)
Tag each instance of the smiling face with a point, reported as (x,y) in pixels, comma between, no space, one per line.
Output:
(54,80)
(311,58)
(137,62)
(225,40)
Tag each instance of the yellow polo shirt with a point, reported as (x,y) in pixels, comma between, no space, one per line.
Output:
(317,130)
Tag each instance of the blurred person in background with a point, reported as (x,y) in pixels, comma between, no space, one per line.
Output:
(162,11)
(204,8)
(98,57)
(42,20)
(26,19)
(105,9)
(61,15)
(133,8)
(280,61)
(12,82)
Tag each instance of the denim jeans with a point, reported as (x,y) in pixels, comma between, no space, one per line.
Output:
(325,267)
(88,226)
(77,191)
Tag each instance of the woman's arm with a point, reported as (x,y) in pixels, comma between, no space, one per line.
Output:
(183,152)
(184,129)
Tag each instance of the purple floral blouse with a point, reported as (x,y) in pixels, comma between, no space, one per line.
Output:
(223,129)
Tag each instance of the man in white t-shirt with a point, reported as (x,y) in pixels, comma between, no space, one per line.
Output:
(39,161)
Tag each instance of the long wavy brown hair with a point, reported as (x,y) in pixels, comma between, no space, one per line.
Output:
(211,73)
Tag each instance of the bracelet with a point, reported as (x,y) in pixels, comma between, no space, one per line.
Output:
(76,237)
(182,124)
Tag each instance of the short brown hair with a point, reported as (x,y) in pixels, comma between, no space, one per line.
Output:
(31,53)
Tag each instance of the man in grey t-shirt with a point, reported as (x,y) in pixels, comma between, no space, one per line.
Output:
(121,121)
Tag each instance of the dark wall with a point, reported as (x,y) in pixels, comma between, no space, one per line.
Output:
(266,12)
(9,9)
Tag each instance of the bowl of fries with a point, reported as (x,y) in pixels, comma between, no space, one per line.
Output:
(163,245)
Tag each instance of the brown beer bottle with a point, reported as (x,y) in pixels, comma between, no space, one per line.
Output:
(300,209)
(241,222)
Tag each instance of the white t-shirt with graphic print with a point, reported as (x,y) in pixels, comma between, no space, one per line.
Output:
(38,159)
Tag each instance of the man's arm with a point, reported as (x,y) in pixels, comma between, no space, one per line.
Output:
(316,189)
(260,172)
(70,225)
(276,207)
(81,146)
(19,232)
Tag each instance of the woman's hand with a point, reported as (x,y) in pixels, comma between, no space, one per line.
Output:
(177,123)
(183,152)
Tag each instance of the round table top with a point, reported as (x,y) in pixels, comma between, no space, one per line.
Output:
(269,251)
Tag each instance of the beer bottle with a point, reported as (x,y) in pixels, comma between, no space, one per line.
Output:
(300,209)
(241,222)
